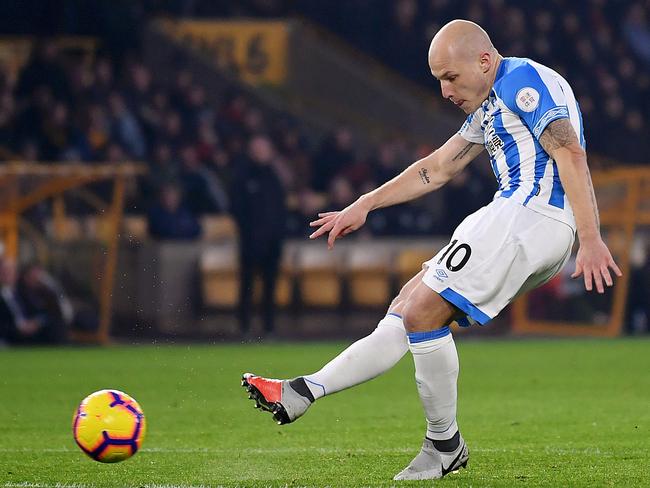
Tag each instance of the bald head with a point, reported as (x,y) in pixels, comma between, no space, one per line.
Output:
(460,39)
(463,58)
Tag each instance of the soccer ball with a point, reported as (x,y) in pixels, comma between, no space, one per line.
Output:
(109,426)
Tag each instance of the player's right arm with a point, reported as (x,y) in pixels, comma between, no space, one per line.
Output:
(421,177)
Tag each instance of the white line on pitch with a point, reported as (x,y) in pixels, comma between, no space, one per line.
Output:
(325,450)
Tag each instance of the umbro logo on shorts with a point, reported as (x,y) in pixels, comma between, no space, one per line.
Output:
(441,273)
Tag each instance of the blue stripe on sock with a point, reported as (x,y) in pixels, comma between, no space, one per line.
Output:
(394,315)
(416,337)
(317,384)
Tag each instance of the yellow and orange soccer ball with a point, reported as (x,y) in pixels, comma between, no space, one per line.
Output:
(109,426)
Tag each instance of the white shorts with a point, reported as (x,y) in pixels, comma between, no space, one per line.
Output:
(497,253)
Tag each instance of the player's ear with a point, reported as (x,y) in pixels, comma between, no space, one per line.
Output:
(485,62)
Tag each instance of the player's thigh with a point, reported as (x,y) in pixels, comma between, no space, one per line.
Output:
(425,310)
(397,305)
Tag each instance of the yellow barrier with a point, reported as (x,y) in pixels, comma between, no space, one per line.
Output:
(23,185)
(255,51)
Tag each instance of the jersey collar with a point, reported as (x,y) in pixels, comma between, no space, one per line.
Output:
(500,70)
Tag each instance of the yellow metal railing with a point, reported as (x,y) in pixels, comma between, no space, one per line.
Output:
(624,201)
(23,185)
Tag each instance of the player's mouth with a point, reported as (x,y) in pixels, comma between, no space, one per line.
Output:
(459,103)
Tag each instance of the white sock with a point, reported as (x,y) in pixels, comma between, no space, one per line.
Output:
(436,374)
(365,359)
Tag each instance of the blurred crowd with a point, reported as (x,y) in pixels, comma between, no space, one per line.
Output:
(226,152)
(200,149)
(200,146)
(602,47)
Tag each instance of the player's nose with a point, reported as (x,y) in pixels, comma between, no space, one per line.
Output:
(446,89)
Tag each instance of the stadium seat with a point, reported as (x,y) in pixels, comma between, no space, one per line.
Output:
(369,277)
(65,229)
(220,277)
(135,227)
(97,227)
(319,280)
(286,279)
(218,228)
(409,263)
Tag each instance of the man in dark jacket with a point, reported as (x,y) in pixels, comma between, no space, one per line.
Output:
(18,324)
(258,205)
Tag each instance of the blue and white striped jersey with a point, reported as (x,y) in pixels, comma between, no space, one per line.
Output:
(525,98)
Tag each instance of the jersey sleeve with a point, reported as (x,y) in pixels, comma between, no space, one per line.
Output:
(536,100)
(472,130)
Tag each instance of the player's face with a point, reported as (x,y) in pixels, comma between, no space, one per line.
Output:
(463,82)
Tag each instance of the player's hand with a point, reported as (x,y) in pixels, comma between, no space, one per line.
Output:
(594,262)
(28,327)
(341,223)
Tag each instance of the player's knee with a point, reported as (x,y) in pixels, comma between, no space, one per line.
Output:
(415,318)
(396,306)
(422,317)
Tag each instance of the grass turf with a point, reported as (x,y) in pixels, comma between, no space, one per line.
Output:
(534,413)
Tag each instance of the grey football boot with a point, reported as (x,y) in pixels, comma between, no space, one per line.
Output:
(432,464)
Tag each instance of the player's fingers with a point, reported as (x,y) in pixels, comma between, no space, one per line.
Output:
(615,268)
(322,230)
(316,223)
(598,279)
(334,233)
(604,271)
(578,271)
(327,214)
(587,277)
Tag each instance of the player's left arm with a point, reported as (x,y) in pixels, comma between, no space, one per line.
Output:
(594,260)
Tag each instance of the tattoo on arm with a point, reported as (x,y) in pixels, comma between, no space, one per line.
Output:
(461,154)
(558,133)
(424,176)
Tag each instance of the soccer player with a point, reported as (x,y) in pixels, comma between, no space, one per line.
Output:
(527,118)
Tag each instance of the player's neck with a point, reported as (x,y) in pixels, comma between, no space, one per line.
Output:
(495,69)
(493,74)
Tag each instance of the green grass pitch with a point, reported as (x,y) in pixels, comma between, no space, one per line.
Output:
(534,413)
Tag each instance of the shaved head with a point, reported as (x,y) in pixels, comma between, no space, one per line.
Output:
(460,39)
(463,58)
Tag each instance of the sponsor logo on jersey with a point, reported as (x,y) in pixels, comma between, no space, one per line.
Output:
(492,141)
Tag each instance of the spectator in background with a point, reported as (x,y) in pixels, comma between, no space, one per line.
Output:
(98,130)
(125,127)
(335,154)
(19,322)
(637,31)
(169,219)
(61,140)
(204,193)
(43,68)
(13,322)
(258,205)
(42,296)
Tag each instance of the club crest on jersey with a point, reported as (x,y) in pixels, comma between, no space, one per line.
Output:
(527,99)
